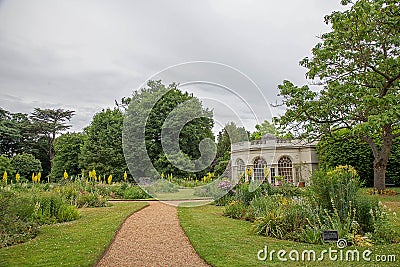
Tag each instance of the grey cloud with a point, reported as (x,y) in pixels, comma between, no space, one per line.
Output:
(86,54)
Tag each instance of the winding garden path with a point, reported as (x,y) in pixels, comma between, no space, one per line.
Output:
(151,237)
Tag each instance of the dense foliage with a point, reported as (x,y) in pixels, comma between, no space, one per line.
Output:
(67,148)
(26,164)
(24,206)
(333,201)
(102,147)
(166,118)
(358,65)
(5,165)
(229,135)
(342,148)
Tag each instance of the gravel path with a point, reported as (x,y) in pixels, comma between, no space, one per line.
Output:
(151,237)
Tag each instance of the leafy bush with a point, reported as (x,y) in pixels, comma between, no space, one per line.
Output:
(383,230)
(245,194)
(363,205)
(26,164)
(17,224)
(279,215)
(286,189)
(134,192)
(47,205)
(87,199)
(335,189)
(312,235)
(67,213)
(235,210)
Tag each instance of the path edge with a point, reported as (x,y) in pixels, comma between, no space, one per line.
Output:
(117,232)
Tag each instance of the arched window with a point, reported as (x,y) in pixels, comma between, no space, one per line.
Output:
(241,167)
(285,168)
(258,168)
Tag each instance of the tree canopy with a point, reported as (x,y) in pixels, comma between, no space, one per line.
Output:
(264,128)
(102,147)
(48,123)
(67,148)
(26,164)
(229,135)
(357,66)
(164,131)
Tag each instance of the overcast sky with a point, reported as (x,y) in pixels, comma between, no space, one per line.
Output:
(83,55)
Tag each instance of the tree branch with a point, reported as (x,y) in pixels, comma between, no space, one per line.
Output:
(371,144)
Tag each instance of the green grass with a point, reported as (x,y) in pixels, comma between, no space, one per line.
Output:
(77,243)
(384,198)
(183,194)
(222,241)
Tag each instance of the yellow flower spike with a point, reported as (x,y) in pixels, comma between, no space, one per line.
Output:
(126,175)
(17,177)
(109,180)
(65,174)
(39,175)
(33,177)
(5,176)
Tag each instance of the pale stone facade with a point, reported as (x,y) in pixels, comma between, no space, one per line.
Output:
(292,159)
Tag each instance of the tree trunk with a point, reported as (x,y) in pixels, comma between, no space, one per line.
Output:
(379,175)
(381,156)
(51,157)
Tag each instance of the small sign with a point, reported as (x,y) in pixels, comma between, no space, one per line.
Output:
(330,235)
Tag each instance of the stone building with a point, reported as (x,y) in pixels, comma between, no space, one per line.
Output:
(275,159)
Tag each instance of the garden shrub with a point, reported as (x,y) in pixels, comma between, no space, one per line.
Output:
(17,224)
(383,230)
(363,205)
(67,213)
(311,235)
(235,210)
(70,192)
(335,189)
(47,205)
(286,189)
(87,199)
(244,194)
(279,215)
(134,192)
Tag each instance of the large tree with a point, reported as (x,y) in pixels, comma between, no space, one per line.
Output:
(229,135)
(102,146)
(163,130)
(357,66)
(16,134)
(67,148)
(48,123)
(264,128)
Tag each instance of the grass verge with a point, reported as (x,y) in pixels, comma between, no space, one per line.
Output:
(77,243)
(222,241)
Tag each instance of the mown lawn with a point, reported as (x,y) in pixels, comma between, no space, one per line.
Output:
(183,193)
(222,241)
(77,243)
